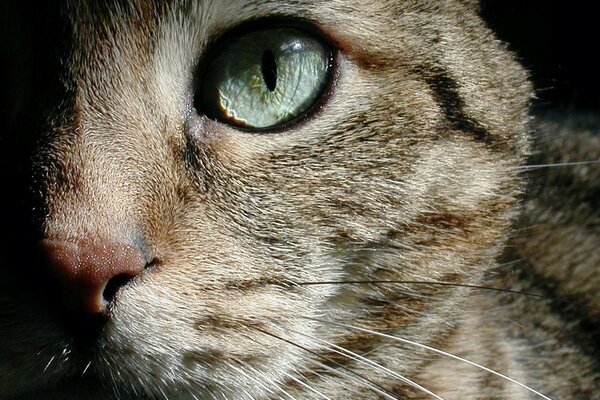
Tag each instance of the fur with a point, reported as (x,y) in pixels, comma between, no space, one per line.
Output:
(410,171)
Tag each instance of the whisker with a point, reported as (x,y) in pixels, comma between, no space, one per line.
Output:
(363,360)
(434,283)
(375,388)
(49,363)
(433,349)
(306,386)
(311,371)
(563,164)
(243,389)
(373,385)
(341,373)
(275,384)
(258,382)
(86,368)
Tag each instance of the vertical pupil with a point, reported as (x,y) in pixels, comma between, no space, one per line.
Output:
(269,69)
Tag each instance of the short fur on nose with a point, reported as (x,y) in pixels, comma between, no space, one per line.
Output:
(89,273)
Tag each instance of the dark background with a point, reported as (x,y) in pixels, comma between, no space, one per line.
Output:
(559,42)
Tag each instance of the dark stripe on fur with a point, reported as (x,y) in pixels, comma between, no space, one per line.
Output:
(583,329)
(446,94)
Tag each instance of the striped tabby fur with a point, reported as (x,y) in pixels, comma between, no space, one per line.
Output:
(346,257)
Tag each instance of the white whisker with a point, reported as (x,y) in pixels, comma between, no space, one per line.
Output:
(352,376)
(255,380)
(243,389)
(347,375)
(372,385)
(563,164)
(433,349)
(364,360)
(278,386)
(86,368)
(49,362)
(306,386)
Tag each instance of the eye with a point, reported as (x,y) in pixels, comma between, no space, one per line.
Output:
(264,78)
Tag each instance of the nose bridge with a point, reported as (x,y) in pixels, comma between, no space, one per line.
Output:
(91,182)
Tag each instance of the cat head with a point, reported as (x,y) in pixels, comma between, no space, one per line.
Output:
(224,257)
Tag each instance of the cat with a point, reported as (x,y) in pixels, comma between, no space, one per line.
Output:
(297,199)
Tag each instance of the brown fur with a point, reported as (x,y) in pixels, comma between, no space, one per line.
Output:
(409,172)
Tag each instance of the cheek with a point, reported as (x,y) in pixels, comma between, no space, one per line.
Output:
(458,174)
(222,305)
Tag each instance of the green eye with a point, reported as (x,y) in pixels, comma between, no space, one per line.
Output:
(265,78)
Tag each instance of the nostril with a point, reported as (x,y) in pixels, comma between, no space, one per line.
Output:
(115,283)
(154,263)
(113,286)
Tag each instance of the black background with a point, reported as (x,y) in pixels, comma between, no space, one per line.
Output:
(558,41)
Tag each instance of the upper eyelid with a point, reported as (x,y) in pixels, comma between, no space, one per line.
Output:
(250,24)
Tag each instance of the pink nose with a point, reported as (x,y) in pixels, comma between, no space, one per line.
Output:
(90,273)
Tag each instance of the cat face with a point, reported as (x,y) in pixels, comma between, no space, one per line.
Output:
(398,169)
